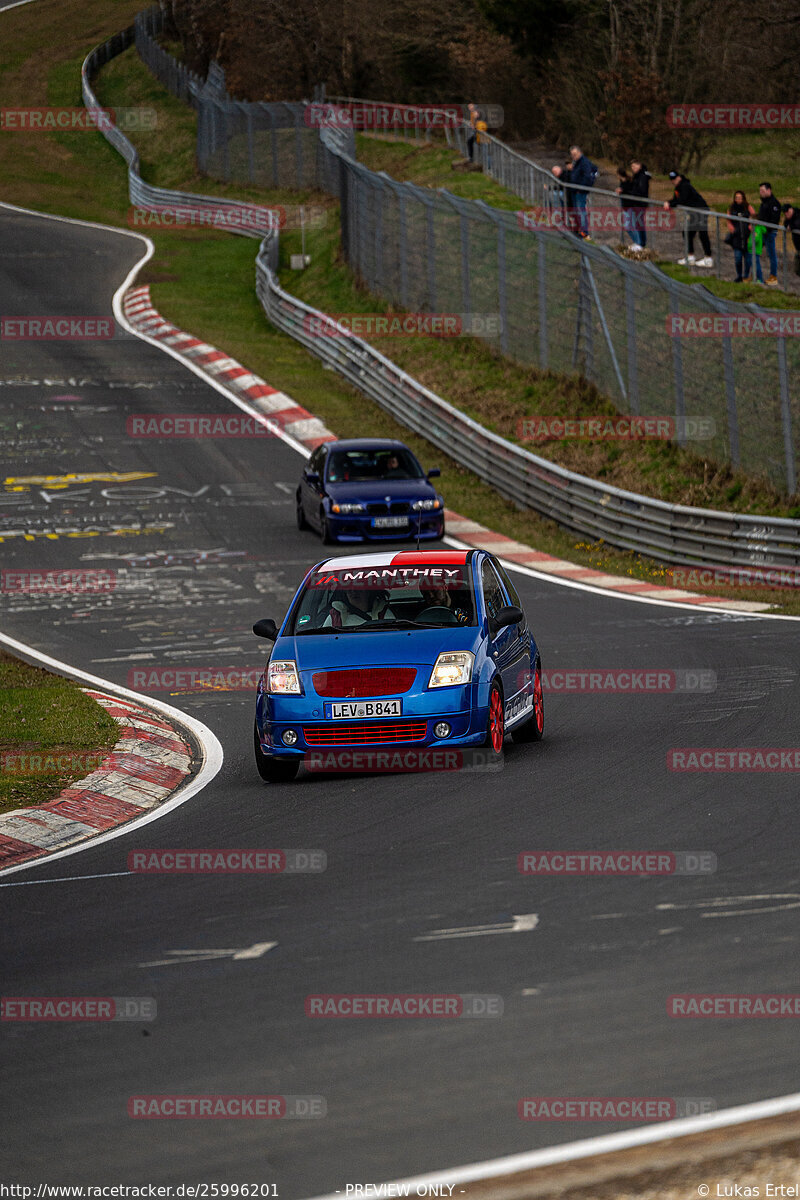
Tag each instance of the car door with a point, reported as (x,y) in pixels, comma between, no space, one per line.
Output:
(508,648)
(310,493)
(525,678)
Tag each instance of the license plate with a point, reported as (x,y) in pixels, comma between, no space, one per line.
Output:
(350,710)
(389,522)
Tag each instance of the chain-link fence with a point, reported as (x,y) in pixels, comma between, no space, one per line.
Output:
(540,296)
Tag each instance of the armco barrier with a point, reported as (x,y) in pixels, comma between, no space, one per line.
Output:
(672,533)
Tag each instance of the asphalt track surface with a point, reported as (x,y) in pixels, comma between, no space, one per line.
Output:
(584,992)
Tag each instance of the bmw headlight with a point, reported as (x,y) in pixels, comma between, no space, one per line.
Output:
(346,509)
(452,668)
(283,678)
(425,505)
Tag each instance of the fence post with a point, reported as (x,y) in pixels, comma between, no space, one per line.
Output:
(298,149)
(786,417)
(403,231)
(344,210)
(677,372)
(501,286)
(730,395)
(274,146)
(225,147)
(377,253)
(431,255)
(251,157)
(466,303)
(633,356)
(543,356)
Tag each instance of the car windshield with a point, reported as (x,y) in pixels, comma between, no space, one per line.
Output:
(361,466)
(382,599)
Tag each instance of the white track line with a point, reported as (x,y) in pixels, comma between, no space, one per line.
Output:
(496,1169)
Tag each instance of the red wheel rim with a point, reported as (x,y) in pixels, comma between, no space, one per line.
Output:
(538,699)
(496,721)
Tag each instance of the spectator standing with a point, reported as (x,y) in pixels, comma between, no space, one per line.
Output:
(639,191)
(583,173)
(686,196)
(623,190)
(565,195)
(791,220)
(769,211)
(739,236)
(474,117)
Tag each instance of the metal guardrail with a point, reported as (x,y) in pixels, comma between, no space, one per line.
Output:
(672,533)
(144,195)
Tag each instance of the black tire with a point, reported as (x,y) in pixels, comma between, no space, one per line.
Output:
(324,532)
(273,770)
(302,523)
(493,740)
(532,730)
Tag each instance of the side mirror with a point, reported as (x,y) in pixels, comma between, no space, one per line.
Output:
(266,628)
(434,473)
(312,477)
(509,614)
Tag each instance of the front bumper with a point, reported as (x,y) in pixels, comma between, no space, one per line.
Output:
(421,710)
(361,529)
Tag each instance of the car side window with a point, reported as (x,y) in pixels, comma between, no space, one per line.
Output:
(315,462)
(513,595)
(492,589)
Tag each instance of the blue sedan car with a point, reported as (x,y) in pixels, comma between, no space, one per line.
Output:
(368,490)
(422,648)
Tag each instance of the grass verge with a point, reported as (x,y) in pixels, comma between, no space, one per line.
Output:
(46,722)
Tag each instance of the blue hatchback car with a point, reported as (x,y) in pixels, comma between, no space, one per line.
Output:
(368,489)
(419,649)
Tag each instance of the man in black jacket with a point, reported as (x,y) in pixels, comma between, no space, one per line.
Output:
(685,196)
(769,211)
(638,191)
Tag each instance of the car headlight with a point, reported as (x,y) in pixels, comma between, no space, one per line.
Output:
(452,668)
(425,505)
(345,509)
(283,678)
